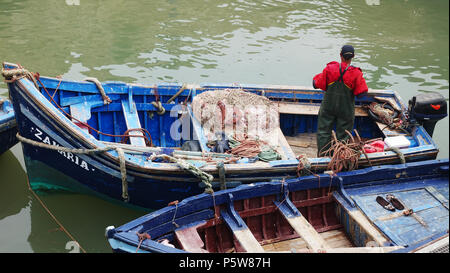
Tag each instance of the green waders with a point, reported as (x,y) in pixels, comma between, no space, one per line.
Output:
(338,107)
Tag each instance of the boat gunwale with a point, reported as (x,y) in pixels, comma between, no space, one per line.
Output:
(299,183)
(248,191)
(423,150)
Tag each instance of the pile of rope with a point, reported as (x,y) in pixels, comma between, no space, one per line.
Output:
(250,148)
(345,154)
(246,148)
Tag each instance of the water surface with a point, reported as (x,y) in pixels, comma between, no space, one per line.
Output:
(400,45)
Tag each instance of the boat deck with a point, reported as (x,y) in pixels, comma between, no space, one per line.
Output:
(334,238)
(303,144)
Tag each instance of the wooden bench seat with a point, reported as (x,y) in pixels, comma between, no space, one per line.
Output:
(310,109)
(190,240)
(303,228)
(132,121)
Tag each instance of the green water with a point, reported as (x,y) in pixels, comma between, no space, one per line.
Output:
(402,45)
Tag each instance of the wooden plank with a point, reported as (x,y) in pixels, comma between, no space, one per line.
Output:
(82,112)
(438,196)
(334,238)
(248,241)
(312,238)
(364,223)
(198,131)
(310,109)
(190,240)
(286,149)
(240,231)
(132,120)
(384,249)
(434,246)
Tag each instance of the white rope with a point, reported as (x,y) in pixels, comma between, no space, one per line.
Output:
(106,99)
(205,177)
(119,151)
(11,75)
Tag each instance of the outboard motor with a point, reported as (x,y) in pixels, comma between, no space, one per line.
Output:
(427,109)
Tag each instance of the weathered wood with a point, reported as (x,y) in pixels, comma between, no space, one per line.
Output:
(304,144)
(334,239)
(286,149)
(438,196)
(190,240)
(384,249)
(309,109)
(130,114)
(299,223)
(240,230)
(198,131)
(299,143)
(81,113)
(248,241)
(307,232)
(364,223)
(434,246)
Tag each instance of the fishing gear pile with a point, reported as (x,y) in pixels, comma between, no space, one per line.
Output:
(238,122)
(345,154)
(386,114)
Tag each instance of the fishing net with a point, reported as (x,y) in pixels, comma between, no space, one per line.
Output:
(239,114)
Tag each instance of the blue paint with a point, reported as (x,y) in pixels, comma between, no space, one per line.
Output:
(404,232)
(287,208)
(8,126)
(198,131)
(343,193)
(153,185)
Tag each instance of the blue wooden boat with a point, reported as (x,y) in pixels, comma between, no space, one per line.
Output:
(306,214)
(8,126)
(60,121)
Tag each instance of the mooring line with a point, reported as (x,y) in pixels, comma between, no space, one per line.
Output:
(53,216)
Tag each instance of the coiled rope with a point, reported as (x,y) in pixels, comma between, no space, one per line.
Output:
(345,154)
(119,151)
(12,75)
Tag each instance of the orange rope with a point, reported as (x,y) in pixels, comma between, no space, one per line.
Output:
(54,93)
(142,237)
(148,141)
(36,75)
(247,148)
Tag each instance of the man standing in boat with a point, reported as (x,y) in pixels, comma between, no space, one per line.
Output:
(341,82)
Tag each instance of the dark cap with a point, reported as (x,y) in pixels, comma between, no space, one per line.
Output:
(347,52)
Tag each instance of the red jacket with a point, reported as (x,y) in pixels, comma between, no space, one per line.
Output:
(353,78)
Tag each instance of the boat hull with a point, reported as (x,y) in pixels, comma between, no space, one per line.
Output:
(149,185)
(259,207)
(96,174)
(8,127)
